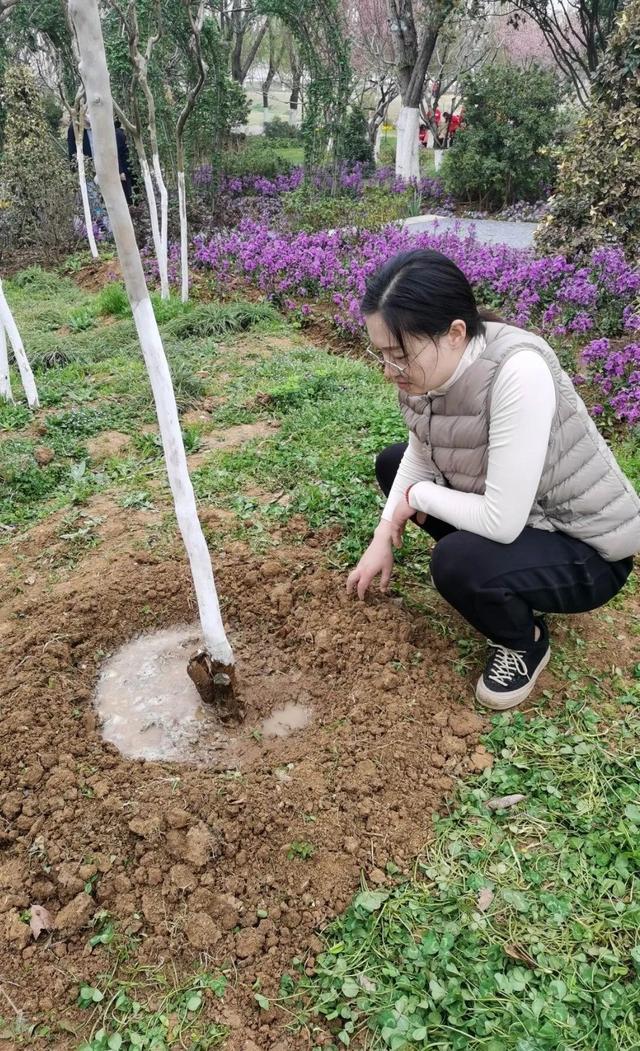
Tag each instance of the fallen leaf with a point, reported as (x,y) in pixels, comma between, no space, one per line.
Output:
(41,920)
(516,953)
(366,983)
(503,802)
(485,897)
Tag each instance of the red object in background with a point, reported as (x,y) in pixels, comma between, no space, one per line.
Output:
(422,134)
(437,116)
(454,124)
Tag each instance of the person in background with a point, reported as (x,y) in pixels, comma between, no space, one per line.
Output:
(124,165)
(504,468)
(454,124)
(86,141)
(423,134)
(443,130)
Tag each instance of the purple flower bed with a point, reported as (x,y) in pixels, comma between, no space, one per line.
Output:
(552,294)
(352,181)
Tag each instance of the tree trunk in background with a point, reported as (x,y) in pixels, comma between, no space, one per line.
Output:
(5,379)
(294,97)
(93,69)
(11,331)
(412,61)
(78,131)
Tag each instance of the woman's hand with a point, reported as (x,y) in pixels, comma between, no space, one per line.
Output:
(376,561)
(401,515)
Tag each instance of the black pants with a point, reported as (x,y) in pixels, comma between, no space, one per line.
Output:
(496,587)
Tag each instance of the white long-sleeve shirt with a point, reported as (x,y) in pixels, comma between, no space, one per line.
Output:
(523,404)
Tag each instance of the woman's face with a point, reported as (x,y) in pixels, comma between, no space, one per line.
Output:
(427,363)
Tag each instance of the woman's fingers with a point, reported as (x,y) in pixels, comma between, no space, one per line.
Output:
(363,584)
(421,517)
(352,580)
(385,577)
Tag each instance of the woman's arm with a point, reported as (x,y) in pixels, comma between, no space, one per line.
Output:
(523,404)
(415,466)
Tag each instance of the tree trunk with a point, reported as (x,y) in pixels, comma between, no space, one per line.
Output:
(184,234)
(93,69)
(8,324)
(153,217)
(408,143)
(78,131)
(5,379)
(164,222)
(294,97)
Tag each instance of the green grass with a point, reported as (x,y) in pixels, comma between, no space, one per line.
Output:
(520,927)
(551,963)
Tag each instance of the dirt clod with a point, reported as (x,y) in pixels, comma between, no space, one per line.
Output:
(76,915)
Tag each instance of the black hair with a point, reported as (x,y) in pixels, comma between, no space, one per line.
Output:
(420,293)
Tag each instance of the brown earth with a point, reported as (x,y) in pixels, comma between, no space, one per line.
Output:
(190,859)
(180,856)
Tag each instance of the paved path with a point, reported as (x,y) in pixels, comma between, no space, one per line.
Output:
(489,231)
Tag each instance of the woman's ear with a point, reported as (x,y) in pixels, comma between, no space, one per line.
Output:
(457,332)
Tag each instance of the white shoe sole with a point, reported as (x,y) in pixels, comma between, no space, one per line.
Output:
(500,702)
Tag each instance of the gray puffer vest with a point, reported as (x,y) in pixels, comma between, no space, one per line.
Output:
(582,490)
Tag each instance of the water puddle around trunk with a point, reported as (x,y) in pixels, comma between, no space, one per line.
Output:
(150,709)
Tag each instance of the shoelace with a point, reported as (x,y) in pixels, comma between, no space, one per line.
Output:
(506,664)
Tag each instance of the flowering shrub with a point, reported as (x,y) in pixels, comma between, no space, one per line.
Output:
(615,375)
(553,294)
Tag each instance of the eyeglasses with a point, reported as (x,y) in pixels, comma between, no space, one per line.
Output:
(380,358)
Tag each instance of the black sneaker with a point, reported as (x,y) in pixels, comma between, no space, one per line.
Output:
(510,675)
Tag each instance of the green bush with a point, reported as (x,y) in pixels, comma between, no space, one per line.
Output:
(254,159)
(505,152)
(309,211)
(357,148)
(598,198)
(37,191)
(280,130)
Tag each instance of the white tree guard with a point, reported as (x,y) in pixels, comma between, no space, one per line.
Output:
(184,238)
(5,379)
(377,145)
(408,143)
(161,258)
(11,329)
(164,223)
(78,131)
(93,70)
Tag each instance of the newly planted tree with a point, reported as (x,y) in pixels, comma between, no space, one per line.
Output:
(212,668)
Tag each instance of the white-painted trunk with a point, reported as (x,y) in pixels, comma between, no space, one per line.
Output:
(408,143)
(26,375)
(5,378)
(93,70)
(438,156)
(377,144)
(295,118)
(266,115)
(184,237)
(164,223)
(161,259)
(82,179)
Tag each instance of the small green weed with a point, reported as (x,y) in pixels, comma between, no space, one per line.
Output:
(300,849)
(144,1013)
(519,931)
(81,319)
(112,301)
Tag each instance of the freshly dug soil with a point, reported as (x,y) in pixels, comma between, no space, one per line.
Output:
(190,858)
